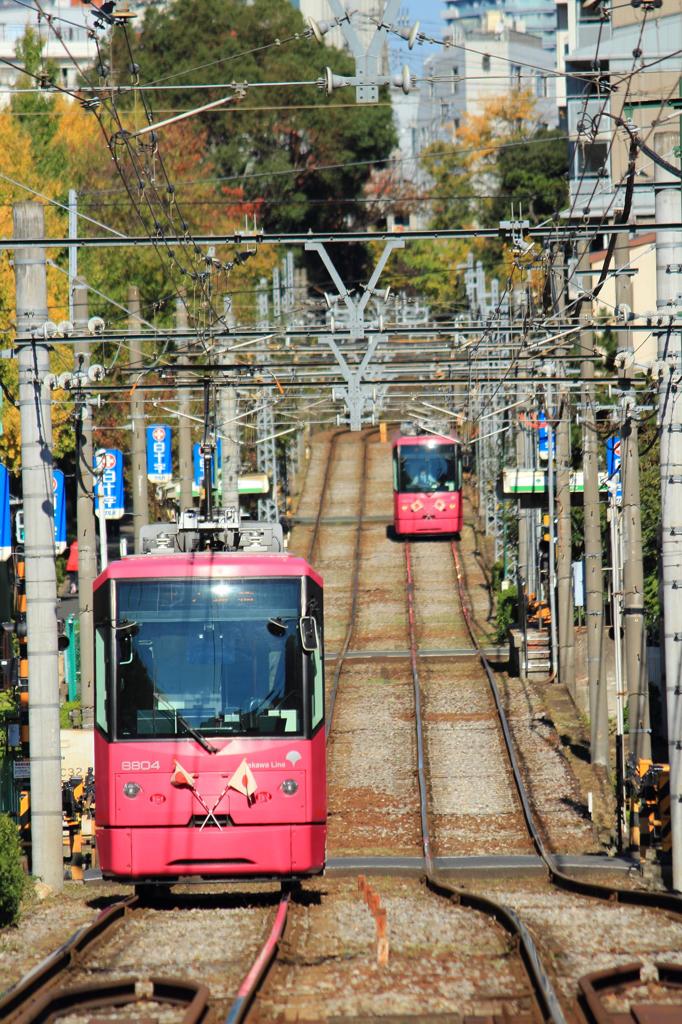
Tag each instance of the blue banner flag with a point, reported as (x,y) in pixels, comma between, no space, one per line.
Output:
(199,467)
(109,482)
(543,439)
(613,449)
(5,522)
(59,511)
(159,454)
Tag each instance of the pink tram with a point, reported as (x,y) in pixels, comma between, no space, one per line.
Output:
(427,485)
(209,708)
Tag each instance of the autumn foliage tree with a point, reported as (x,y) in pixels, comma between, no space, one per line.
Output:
(500,157)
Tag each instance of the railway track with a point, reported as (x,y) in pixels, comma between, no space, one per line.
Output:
(654,937)
(204,955)
(507,988)
(444,958)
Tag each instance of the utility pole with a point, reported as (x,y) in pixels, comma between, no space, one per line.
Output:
(564,546)
(41,579)
(185,463)
(138,447)
(522,561)
(228,428)
(669,256)
(85,510)
(563,506)
(594,587)
(229,431)
(639,738)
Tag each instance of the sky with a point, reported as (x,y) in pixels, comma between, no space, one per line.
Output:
(427,12)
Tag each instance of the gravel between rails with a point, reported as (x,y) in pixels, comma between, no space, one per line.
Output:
(213,940)
(577,935)
(438,962)
(554,792)
(373,796)
(47,923)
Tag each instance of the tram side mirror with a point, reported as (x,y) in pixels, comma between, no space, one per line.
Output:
(309,637)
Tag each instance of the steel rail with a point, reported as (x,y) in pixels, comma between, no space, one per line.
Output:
(120,992)
(594,987)
(637,897)
(261,965)
(355,587)
(268,952)
(323,492)
(34,984)
(547,1002)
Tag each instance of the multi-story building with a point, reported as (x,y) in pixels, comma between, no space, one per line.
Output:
(624,62)
(537,17)
(76,47)
(491,60)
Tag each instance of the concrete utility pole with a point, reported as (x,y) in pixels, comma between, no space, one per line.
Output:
(229,430)
(639,738)
(563,507)
(138,447)
(41,578)
(594,587)
(185,462)
(564,561)
(85,512)
(522,562)
(669,255)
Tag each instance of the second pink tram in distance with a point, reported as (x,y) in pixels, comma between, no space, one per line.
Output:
(427,485)
(209,711)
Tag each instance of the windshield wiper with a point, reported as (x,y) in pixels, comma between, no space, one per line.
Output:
(199,737)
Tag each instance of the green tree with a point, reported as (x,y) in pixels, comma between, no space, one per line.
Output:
(34,109)
(298,153)
(532,173)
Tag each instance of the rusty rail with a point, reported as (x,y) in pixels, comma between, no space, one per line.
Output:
(121,992)
(614,980)
(636,897)
(261,965)
(35,984)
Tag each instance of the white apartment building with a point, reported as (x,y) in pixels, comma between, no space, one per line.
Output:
(72,20)
(480,65)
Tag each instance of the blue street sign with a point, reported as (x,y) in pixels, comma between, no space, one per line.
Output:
(59,511)
(543,439)
(613,449)
(5,522)
(109,481)
(159,454)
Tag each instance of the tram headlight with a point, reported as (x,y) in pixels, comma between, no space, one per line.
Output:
(131,789)
(289,787)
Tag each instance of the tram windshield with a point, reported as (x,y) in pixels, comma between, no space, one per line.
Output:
(426,468)
(209,657)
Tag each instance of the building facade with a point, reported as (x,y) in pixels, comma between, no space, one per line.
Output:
(537,17)
(76,46)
